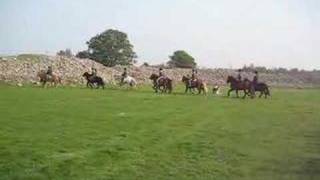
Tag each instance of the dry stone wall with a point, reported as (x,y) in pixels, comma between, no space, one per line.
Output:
(23,69)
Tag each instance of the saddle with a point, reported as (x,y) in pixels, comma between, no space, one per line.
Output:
(193,82)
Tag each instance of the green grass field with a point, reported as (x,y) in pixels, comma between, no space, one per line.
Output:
(74,133)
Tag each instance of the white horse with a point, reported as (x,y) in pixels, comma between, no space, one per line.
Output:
(129,81)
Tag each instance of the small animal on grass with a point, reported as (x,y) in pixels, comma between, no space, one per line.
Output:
(93,81)
(216,90)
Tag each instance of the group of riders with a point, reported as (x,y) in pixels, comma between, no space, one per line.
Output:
(191,80)
(194,75)
(255,77)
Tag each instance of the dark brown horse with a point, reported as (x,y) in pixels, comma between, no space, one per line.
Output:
(93,80)
(54,80)
(163,84)
(262,88)
(236,85)
(198,84)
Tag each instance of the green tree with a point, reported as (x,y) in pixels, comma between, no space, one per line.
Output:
(83,54)
(111,48)
(67,53)
(182,59)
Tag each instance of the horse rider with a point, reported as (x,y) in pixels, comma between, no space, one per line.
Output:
(194,76)
(124,74)
(49,72)
(239,77)
(94,71)
(255,78)
(161,75)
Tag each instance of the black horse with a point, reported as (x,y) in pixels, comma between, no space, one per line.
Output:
(262,88)
(93,80)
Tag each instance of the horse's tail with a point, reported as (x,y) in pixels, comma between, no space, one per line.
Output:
(134,82)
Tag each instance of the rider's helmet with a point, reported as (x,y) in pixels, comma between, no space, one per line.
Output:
(256,72)
(160,69)
(239,70)
(125,68)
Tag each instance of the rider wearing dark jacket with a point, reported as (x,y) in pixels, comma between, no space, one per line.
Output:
(255,78)
(161,75)
(49,72)
(239,75)
(194,76)
(161,72)
(124,74)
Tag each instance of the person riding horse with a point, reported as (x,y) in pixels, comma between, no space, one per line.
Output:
(161,75)
(93,74)
(49,72)
(194,77)
(255,79)
(94,71)
(124,74)
(239,77)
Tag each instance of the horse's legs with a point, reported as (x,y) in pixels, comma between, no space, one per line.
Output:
(230,90)
(265,93)
(199,90)
(237,93)
(245,94)
(186,90)
(261,93)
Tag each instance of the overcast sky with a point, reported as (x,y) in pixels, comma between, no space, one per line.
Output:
(218,33)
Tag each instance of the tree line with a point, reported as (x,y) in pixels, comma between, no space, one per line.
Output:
(112,47)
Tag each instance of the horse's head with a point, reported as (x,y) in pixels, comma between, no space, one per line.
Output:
(86,75)
(230,79)
(154,76)
(185,79)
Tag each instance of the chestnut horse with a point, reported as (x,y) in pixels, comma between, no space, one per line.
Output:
(45,78)
(164,84)
(200,85)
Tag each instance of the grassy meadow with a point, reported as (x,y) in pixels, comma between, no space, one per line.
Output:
(76,133)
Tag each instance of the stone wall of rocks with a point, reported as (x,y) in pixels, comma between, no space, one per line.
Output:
(23,69)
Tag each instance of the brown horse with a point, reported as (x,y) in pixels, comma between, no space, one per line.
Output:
(200,85)
(236,85)
(164,84)
(54,80)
